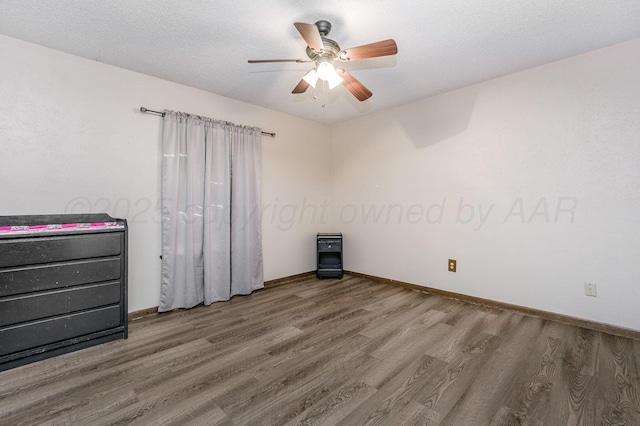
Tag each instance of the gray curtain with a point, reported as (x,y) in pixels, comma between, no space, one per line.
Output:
(211,221)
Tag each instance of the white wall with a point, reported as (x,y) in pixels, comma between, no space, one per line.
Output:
(531,182)
(73,140)
(564,135)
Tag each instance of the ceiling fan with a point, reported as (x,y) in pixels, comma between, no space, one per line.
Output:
(323,51)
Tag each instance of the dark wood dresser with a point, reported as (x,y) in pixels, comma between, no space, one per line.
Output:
(63,285)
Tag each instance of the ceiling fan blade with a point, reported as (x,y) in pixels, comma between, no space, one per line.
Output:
(373,50)
(301,87)
(311,35)
(261,61)
(355,87)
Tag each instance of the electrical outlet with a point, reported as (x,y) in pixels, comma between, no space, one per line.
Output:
(590,289)
(452,265)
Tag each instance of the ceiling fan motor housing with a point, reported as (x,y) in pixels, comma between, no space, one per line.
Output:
(331,50)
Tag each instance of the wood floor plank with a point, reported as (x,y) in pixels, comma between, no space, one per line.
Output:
(408,336)
(578,383)
(335,406)
(540,383)
(494,381)
(377,407)
(460,373)
(309,393)
(392,317)
(416,414)
(619,393)
(289,382)
(77,388)
(389,367)
(402,401)
(467,328)
(326,352)
(500,322)
(98,406)
(197,408)
(505,417)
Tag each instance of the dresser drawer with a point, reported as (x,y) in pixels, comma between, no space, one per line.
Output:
(33,251)
(58,275)
(329,245)
(14,310)
(43,332)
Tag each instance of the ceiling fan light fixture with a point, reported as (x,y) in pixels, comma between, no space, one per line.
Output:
(334,80)
(311,77)
(326,70)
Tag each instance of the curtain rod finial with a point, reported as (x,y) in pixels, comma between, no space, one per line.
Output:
(143,109)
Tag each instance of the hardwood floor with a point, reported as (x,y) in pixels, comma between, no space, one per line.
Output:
(329,352)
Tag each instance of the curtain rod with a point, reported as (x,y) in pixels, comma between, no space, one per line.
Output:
(150,111)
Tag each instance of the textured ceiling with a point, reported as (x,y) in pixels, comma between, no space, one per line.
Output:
(442,45)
